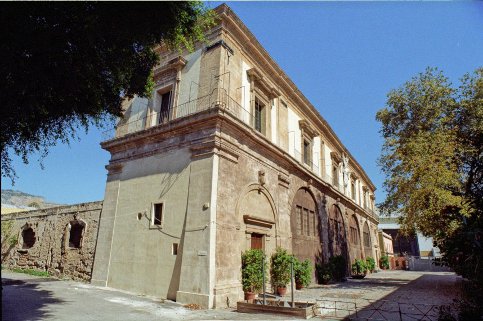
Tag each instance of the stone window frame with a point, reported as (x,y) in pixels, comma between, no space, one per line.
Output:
(336,160)
(353,186)
(261,90)
(152,225)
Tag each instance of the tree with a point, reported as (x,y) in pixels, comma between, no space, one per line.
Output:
(433,161)
(67,66)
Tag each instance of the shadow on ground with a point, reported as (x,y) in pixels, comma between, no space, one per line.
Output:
(33,302)
(419,299)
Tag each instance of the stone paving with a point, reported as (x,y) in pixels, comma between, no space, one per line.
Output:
(31,298)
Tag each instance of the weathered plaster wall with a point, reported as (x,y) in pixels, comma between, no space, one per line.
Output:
(51,251)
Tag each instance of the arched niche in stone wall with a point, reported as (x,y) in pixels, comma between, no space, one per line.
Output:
(366,239)
(28,237)
(257,210)
(337,233)
(305,226)
(354,238)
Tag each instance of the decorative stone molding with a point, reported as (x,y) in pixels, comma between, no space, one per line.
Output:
(114,169)
(252,220)
(336,157)
(307,129)
(175,64)
(261,177)
(283,180)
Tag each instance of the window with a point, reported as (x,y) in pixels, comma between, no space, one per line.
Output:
(76,233)
(335,176)
(306,222)
(298,214)
(175,249)
(157,214)
(307,152)
(165,106)
(259,117)
(353,190)
(28,236)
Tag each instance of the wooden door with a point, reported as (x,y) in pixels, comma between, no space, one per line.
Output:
(257,241)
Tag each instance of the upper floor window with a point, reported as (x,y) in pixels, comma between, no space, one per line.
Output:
(165,102)
(307,152)
(260,117)
(335,175)
(353,189)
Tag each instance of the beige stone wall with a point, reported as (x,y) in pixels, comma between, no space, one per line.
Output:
(51,251)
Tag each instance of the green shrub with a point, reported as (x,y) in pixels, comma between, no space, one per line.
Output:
(280,268)
(252,273)
(338,267)
(384,262)
(324,273)
(302,272)
(359,267)
(371,264)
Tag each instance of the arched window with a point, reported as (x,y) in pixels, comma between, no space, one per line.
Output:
(337,235)
(354,230)
(28,236)
(76,234)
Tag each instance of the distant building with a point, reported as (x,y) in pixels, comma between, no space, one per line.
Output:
(415,245)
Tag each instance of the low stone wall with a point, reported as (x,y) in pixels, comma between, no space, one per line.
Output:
(60,240)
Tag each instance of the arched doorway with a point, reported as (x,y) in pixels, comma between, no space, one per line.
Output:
(354,238)
(257,209)
(304,223)
(337,235)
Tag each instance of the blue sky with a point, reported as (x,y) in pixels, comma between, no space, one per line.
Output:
(344,56)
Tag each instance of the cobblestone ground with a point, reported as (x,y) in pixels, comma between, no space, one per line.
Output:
(31,298)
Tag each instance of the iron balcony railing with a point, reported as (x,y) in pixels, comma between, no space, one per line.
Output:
(216,99)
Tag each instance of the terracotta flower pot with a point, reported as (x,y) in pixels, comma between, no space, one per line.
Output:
(298,286)
(281,290)
(250,295)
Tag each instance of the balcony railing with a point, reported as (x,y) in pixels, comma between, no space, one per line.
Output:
(217,99)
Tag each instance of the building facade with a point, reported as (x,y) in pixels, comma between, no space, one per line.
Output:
(226,155)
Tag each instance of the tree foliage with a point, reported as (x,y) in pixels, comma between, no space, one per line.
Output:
(433,160)
(67,66)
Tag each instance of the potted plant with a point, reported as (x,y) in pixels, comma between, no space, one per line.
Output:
(371,264)
(359,269)
(252,273)
(302,273)
(324,274)
(280,270)
(384,262)
(338,267)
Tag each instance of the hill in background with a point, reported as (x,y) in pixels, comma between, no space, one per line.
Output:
(17,199)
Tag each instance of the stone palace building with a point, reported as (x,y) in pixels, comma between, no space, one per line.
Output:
(226,155)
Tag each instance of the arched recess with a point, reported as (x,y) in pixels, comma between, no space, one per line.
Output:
(337,234)
(76,229)
(28,236)
(305,226)
(354,238)
(366,239)
(256,208)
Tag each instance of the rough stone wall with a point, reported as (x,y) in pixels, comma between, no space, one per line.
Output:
(51,251)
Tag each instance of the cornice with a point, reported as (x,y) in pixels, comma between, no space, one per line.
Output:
(232,24)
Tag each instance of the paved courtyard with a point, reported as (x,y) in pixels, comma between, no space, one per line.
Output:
(26,297)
